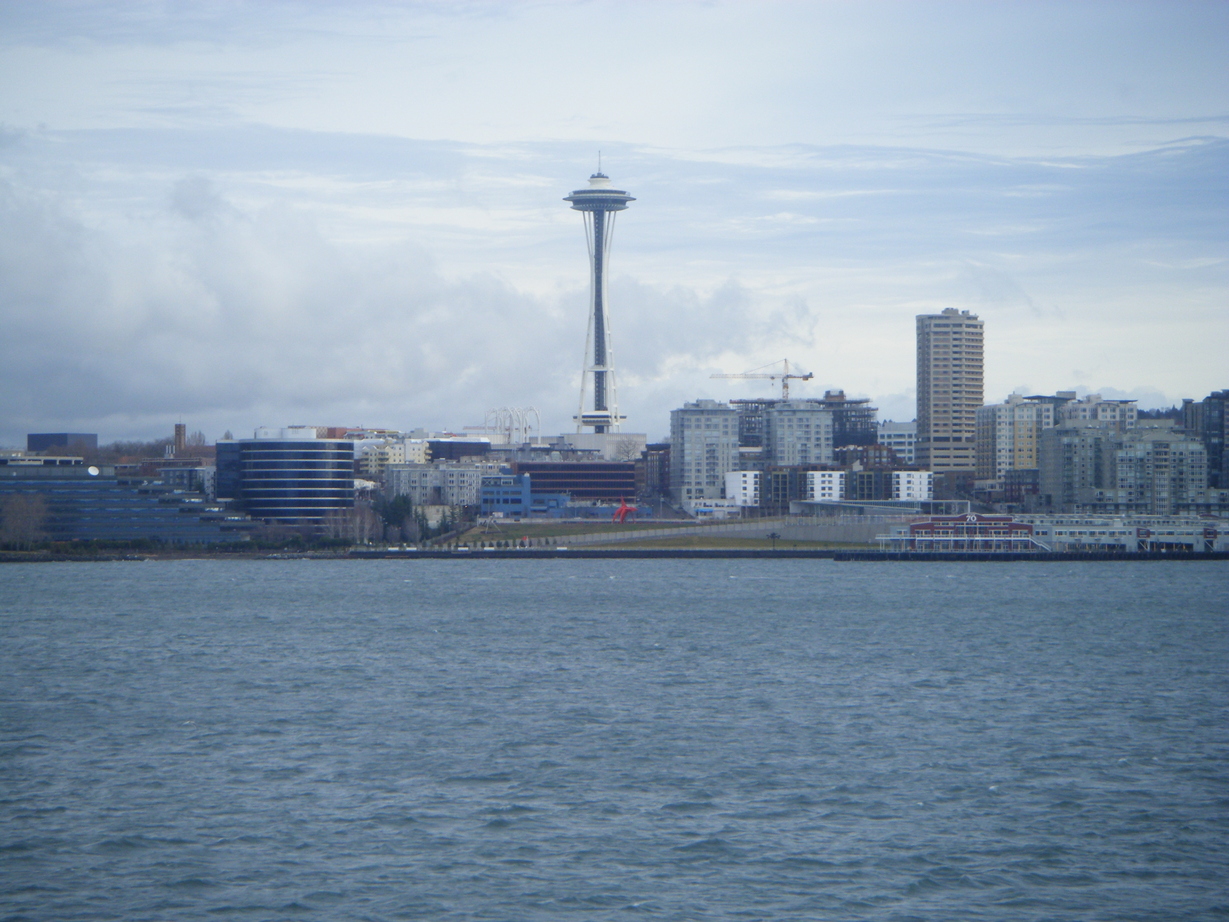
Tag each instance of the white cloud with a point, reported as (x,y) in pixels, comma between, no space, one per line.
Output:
(275,213)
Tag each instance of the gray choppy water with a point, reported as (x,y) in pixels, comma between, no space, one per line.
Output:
(614,740)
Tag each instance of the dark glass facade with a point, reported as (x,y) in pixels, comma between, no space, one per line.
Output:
(227,485)
(584,481)
(653,471)
(290,481)
(77,505)
(457,449)
(79,441)
(1215,423)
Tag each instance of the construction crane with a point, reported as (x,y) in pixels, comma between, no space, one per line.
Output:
(783,375)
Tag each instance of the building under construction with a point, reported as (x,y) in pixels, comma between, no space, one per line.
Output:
(853,421)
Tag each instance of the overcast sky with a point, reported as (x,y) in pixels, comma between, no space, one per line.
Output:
(244,214)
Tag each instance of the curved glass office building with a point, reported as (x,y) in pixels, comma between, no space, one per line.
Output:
(287,479)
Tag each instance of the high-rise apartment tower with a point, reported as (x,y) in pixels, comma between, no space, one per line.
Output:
(599,204)
(949,390)
(703,449)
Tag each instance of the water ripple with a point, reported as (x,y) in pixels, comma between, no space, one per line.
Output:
(688,740)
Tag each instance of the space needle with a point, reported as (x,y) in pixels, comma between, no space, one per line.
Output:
(598,204)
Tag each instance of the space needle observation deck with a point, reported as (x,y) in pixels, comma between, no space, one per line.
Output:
(598,204)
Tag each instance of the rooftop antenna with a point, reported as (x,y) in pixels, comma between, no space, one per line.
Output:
(599,161)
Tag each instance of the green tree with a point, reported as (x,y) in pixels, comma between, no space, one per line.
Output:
(24,522)
(398,517)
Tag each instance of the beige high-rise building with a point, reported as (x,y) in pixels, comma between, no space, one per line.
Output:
(949,390)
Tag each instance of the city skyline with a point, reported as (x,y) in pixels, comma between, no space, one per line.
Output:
(195,226)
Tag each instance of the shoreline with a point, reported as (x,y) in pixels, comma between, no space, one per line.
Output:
(836,555)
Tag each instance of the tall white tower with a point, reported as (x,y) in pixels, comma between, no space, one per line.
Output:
(598,204)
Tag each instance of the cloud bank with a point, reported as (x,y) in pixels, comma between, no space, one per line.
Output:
(265,214)
(272,283)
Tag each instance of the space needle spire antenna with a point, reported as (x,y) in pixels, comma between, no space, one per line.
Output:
(598,204)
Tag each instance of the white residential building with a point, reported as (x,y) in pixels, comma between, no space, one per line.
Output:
(1155,470)
(374,455)
(1009,435)
(798,432)
(912,486)
(901,438)
(415,451)
(743,487)
(1090,466)
(1120,415)
(288,432)
(445,483)
(826,485)
(703,449)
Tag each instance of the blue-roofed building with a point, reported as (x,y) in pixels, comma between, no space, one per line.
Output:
(505,494)
(512,495)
